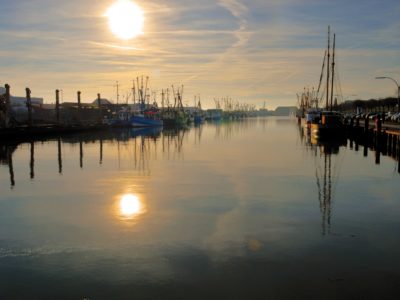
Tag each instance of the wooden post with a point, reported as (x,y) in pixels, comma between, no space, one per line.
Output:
(99,106)
(79,106)
(366,124)
(58,107)
(389,144)
(398,166)
(365,149)
(8,107)
(379,125)
(29,106)
(99,100)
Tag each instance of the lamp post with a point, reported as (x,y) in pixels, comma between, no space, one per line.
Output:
(398,89)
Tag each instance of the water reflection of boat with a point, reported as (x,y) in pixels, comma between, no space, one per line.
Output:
(327,166)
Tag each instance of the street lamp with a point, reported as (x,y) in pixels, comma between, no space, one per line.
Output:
(398,89)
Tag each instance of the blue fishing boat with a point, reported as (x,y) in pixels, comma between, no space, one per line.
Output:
(146,116)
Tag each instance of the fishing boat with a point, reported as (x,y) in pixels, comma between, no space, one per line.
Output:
(330,123)
(146,116)
(176,115)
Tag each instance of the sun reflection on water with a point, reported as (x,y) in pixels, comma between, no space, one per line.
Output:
(130,207)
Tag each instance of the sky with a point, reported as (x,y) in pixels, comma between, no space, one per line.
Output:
(252,51)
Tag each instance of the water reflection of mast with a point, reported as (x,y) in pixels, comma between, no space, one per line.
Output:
(325,193)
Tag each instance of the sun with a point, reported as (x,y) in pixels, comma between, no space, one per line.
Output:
(125,19)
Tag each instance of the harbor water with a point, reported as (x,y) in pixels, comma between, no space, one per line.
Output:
(250,209)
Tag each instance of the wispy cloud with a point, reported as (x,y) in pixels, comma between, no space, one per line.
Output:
(252,50)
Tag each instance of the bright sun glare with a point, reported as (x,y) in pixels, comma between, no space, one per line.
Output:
(130,205)
(125,19)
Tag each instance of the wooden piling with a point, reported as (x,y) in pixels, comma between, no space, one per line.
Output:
(99,106)
(366,125)
(58,107)
(29,106)
(389,143)
(99,101)
(79,106)
(8,107)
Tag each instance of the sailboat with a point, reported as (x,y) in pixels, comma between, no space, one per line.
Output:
(331,122)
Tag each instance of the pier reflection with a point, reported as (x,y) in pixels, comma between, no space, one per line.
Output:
(137,147)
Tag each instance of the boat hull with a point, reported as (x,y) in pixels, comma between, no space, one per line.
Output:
(139,121)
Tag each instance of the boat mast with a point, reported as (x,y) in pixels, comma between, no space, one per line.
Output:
(320,78)
(133,92)
(328,73)
(333,69)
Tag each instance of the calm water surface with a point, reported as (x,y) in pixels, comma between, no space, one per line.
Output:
(241,210)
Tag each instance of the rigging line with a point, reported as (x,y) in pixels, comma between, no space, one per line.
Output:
(322,73)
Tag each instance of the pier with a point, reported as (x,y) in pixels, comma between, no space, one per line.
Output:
(381,137)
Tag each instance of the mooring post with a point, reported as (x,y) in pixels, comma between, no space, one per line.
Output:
(58,107)
(8,107)
(389,144)
(365,149)
(99,106)
(29,106)
(79,106)
(366,124)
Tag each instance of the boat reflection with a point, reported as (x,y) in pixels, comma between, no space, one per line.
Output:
(327,166)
